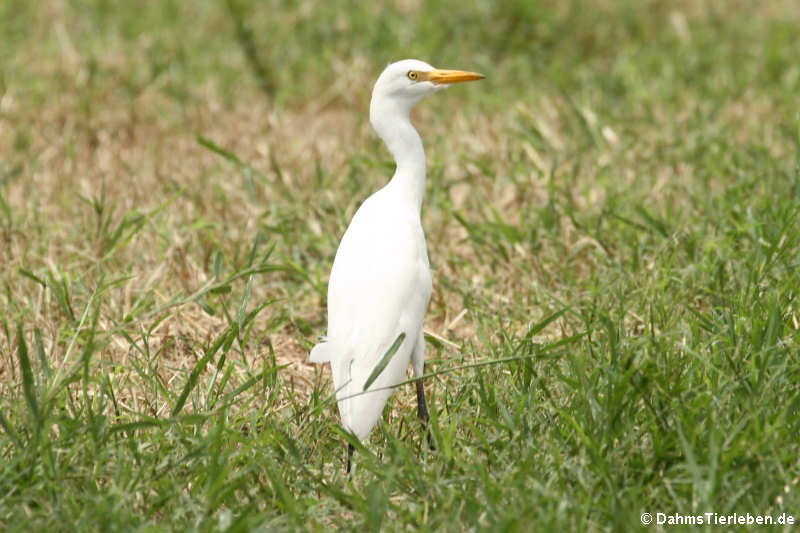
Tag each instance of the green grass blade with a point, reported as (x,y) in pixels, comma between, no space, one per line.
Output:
(28,386)
(37,337)
(384,360)
(34,277)
(219,150)
(10,431)
(196,371)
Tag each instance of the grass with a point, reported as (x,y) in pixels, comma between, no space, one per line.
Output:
(611,218)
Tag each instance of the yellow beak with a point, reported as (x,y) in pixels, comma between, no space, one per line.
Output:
(440,77)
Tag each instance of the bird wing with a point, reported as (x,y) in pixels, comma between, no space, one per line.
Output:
(379,288)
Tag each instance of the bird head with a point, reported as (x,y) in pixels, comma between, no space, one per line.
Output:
(404,83)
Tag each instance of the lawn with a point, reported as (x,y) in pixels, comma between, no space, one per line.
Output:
(612,220)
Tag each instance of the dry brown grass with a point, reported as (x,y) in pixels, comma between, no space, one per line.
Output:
(623,162)
(132,157)
(132,151)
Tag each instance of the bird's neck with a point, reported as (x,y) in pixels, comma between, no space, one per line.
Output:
(405,144)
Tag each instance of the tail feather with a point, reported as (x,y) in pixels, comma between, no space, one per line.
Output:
(320,353)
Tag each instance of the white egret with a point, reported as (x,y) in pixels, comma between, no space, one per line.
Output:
(380,282)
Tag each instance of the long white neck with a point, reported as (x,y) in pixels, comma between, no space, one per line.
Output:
(393,125)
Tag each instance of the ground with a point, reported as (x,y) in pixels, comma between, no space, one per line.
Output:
(611,220)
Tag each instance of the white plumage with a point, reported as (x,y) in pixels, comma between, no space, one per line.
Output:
(380,283)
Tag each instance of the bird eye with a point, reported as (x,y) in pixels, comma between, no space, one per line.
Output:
(413,75)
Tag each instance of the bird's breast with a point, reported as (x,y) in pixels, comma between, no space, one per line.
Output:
(382,255)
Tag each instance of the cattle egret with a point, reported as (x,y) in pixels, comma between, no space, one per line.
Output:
(380,282)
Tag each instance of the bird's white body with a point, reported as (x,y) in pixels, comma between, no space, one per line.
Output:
(380,283)
(379,287)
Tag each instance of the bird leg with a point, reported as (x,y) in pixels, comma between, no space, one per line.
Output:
(350,450)
(422,411)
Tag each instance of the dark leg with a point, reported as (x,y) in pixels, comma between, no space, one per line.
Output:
(350,450)
(422,411)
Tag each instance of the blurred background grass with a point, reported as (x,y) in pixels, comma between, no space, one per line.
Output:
(174,180)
